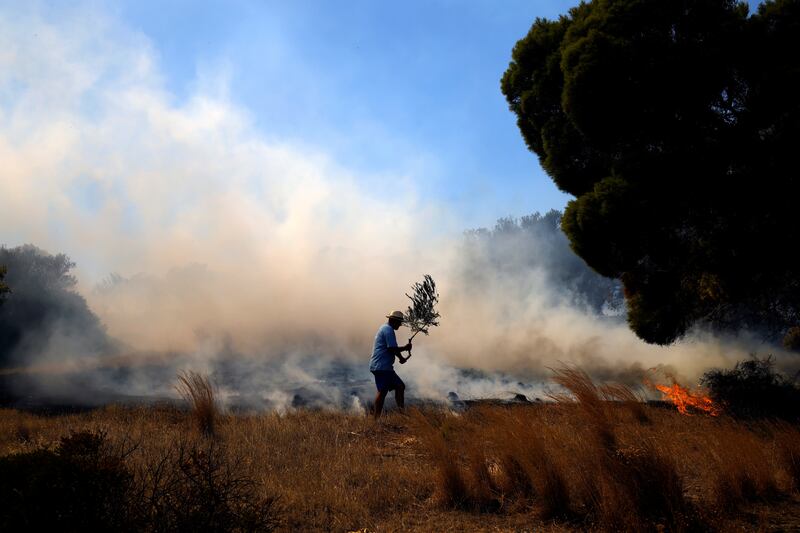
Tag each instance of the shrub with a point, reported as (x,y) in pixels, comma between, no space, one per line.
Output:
(754,389)
(85,485)
(79,486)
(197,487)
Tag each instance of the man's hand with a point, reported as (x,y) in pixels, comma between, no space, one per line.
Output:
(399,350)
(406,348)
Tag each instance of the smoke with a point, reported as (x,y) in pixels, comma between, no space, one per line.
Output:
(262,261)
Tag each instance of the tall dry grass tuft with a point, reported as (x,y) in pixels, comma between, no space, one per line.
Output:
(628,398)
(633,487)
(529,469)
(513,480)
(741,469)
(649,479)
(451,487)
(589,399)
(623,487)
(482,488)
(198,391)
(507,468)
(787,443)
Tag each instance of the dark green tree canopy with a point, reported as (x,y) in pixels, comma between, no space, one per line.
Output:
(43,310)
(675,125)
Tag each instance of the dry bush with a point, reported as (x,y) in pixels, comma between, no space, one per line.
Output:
(198,392)
(630,488)
(80,485)
(91,483)
(563,460)
(201,486)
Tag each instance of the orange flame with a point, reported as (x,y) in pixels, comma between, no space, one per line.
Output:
(683,400)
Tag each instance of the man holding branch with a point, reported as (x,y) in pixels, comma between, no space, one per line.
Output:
(420,317)
(382,362)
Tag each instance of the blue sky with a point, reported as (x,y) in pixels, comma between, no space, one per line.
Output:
(383,87)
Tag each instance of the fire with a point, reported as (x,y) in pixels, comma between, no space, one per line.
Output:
(684,399)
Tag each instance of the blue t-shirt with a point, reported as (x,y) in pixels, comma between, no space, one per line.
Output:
(381,358)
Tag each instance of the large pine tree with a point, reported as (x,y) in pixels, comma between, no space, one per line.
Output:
(675,125)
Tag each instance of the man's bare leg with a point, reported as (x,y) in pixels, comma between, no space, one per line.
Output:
(400,397)
(379,398)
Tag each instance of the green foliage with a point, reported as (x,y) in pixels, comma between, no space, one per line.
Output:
(674,125)
(45,307)
(754,389)
(422,314)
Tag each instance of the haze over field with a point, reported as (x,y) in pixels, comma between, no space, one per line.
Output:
(203,241)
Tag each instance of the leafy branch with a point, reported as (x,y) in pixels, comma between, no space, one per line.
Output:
(421,314)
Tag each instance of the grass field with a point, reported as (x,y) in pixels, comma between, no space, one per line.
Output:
(571,465)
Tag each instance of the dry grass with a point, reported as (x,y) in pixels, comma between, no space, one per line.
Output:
(584,463)
(787,440)
(330,471)
(628,398)
(198,392)
(742,469)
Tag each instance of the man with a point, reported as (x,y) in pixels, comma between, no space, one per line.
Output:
(382,362)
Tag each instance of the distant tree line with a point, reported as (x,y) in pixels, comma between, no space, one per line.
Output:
(535,245)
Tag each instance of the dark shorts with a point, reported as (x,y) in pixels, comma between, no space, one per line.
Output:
(386,380)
